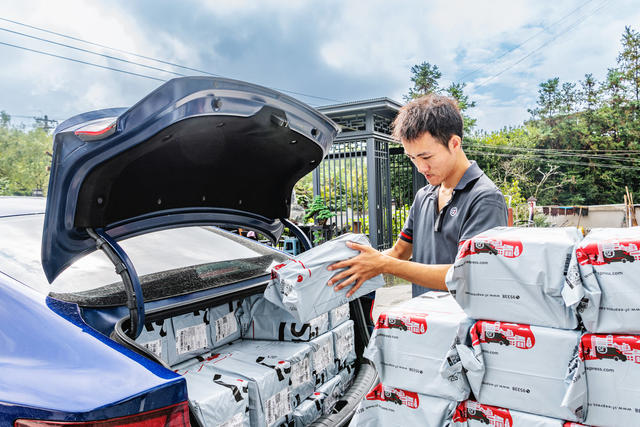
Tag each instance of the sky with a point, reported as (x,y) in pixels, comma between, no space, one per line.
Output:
(321,52)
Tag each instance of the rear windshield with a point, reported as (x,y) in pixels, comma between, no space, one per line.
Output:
(168,262)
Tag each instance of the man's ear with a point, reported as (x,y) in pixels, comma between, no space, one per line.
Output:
(455,143)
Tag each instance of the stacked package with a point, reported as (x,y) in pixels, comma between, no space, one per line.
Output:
(259,363)
(470,413)
(414,349)
(603,286)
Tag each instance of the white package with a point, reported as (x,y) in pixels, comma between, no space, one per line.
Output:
(266,321)
(155,337)
(603,283)
(309,410)
(530,368)
(191,336)
(470,414)
(515,275)
(272,353)
(339,315)
(343,344)
(299,285)
(217,398)
(323,358)
(332,391)
(413,346)
(388,406)
(612,364)
(346,377)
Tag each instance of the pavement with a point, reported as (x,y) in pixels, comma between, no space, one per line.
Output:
(390,295)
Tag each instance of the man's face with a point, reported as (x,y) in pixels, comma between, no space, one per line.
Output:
(431,158)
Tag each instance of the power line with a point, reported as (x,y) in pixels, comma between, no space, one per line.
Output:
(546,28)
(620,156)
(82,62)
(576,23)
(148,58)
(90,52)
(545,160)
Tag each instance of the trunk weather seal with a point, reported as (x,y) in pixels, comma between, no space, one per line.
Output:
(130,279)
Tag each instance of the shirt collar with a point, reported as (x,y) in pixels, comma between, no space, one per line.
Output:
(472,173)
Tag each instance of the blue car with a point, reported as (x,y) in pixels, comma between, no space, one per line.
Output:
(135,230)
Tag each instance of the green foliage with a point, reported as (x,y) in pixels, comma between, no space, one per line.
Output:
(304,191)
(318,211)
(425,80)
(23,160)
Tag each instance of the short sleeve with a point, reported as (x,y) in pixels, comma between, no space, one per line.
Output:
(407,230)
(488,211)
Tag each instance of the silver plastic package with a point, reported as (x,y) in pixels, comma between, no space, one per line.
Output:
(343,344)
(530,368)
(602,284)
(339,315)
(269,400)
(191,336)
(388,406)
(332,391)
(155,337)
(309,410)
(217,399)
(515,275)
(612,364)
(271,353)
(346,377)
(323,358)
(414,346)
(266,321)
(299,285)
(470,414)
(224,323)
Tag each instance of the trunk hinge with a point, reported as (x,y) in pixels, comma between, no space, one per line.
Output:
(124,267)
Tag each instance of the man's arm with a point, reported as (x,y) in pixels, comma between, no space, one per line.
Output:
(370,263)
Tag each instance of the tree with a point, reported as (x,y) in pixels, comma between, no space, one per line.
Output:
(425,80)
(629,63)
(549,99)
(456,91)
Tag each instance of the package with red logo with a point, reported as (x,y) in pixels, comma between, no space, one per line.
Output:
(530,368)
(332,391)
(515,275)
(470,413)
(323,358)
(602,283)
(299,285)
(309,410)
(413,346)
(343,345)
(272,354)
(389,406)
(339,315)
(263,320)
(269,401)
(217,399)
(612,364)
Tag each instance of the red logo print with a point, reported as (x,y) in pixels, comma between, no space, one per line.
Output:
(620,348)
(507,334)
(395,395)
(491,246)
(599,253)
(413,322)
(490,415)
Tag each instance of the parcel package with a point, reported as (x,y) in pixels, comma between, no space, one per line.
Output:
(332,390)
(602,283)
(612,364)
(191,336)
(530,368)
(215,398)
(389,406)
(323,358)
(263,320)
(268,386)
(309,410)
(272,353)
(413,346)
(470,414)
(515,275)
(343,345)
(338,315)
(155,337)
(346,377)
(224,323)
(300,285)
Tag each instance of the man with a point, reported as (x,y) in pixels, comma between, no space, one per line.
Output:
(459,202)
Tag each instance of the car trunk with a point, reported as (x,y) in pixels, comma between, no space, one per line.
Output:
(365,376)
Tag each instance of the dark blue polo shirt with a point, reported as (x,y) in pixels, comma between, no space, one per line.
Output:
(476,205)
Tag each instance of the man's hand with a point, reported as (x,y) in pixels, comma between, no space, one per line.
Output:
(359,269)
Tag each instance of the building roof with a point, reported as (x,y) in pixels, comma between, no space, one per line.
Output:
(383,103)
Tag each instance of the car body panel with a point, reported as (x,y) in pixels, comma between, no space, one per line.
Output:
(198,150)
(56,367)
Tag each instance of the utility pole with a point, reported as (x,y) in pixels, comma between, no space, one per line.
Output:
(48,123)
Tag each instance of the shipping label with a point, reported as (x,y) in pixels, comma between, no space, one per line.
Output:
(323,357)
(226,326)
(236,421)
(344,343)
(191,338)
(277,407)
(154,346)
(300,373)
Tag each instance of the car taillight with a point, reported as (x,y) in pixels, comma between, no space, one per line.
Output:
(170,416)
(97,129)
